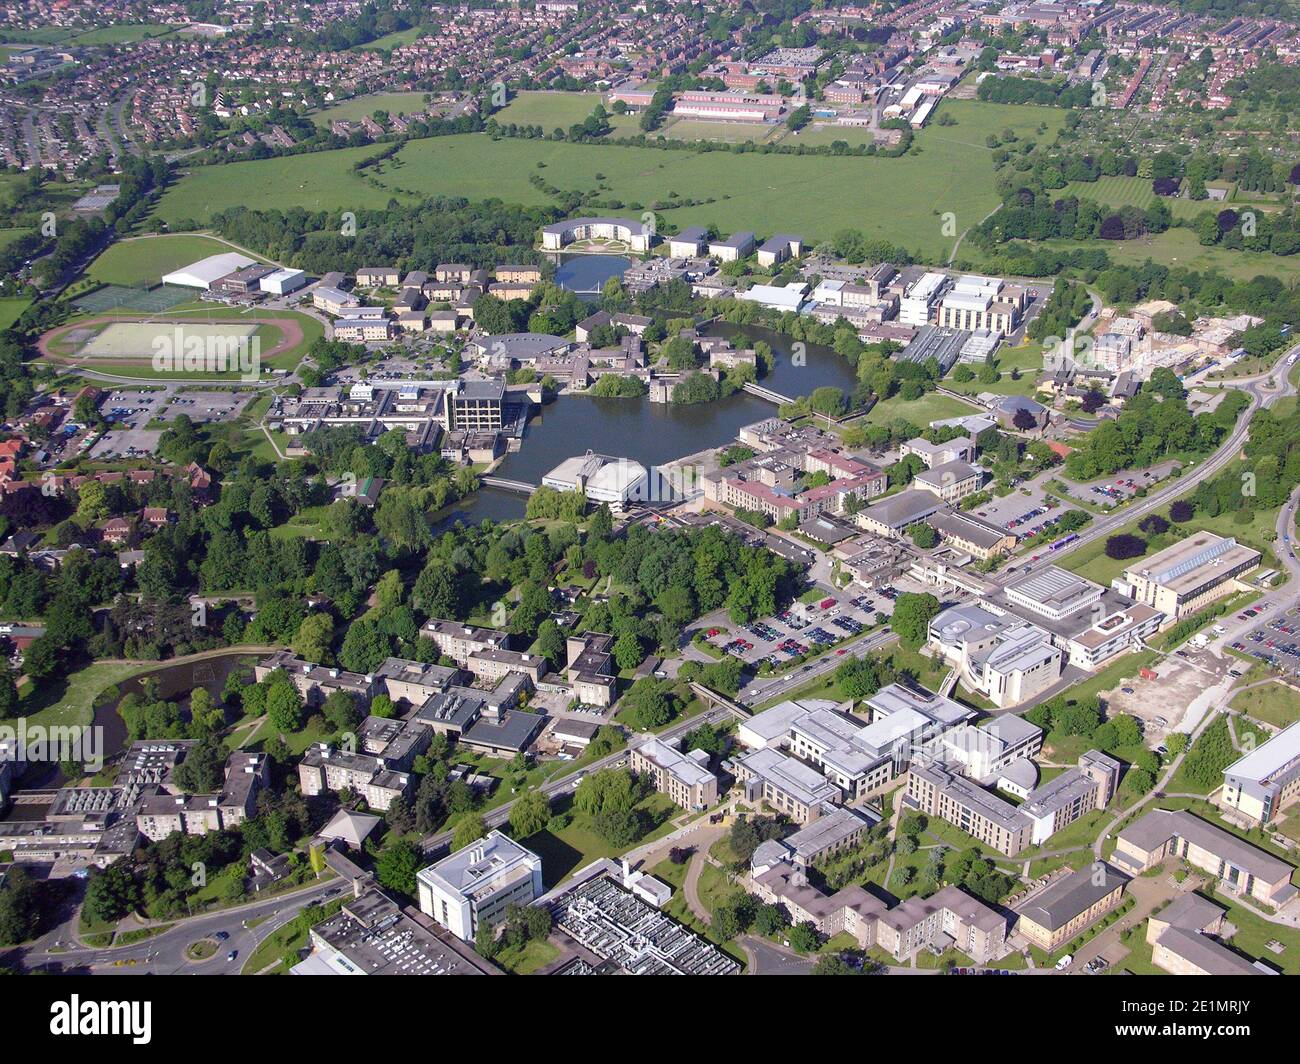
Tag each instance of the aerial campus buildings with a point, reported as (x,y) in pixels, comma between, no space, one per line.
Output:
(1261,783)
(636,235)
(477,884)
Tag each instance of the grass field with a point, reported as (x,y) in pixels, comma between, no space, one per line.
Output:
(1273,703)
(393,40)
(900,200)
(11,310)
(549,109)
(141,262)
(395,103)
(1179,247)
(930,407)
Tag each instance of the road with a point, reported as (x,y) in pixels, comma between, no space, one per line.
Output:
(164,954)
(1263,391)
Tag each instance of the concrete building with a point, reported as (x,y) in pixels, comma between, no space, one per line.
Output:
(684,777)
(891,517)
(971,535)
(1264,781)
(735,247)
(775,250)
(282,282)
(161,814)
(475,885)
(372,935)
(1242,869)
(787,785)
(1191,574)
(961,449)
(1004,658)
(613,481)
(951,481)
(915,308)
(1058,911)
(324,768)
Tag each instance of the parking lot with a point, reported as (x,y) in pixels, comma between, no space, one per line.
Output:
(1276,643)
(203,407)
(794,632)
(1019,513)
(1111,491)
(132,443)
(134,407)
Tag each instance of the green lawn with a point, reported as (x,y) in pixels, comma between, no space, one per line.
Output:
(71,700)
(576,845)
(393,40)
(1118,192)
(901,200)
(141,262)
(1273,703)
(11,310)
(1179,247)
(549,109)
(920,412)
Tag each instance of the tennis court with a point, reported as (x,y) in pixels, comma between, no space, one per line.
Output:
(119,297)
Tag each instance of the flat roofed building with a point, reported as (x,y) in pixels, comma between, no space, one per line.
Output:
(1260,784)
(371,935)
(1004,658)
(1054,593)
(458,640)
(932,454)
(787,785)
(892,516)
(1240,867)
(1191,574)
(997,823)
(684,777)
(476,884)
(1053,915)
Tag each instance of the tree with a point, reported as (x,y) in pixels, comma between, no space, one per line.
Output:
(529,814)
(397,865)
(313,638)
(340,710)
(470,828)
(283,706)
(110,894)
(912,616)
(804,937)
(923,535)
(8,693)
(1125,546)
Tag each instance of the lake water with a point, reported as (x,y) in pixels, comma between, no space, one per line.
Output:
(650,433)
(587,274)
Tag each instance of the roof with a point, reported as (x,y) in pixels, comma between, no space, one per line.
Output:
(682,766)
(201,274)
(903,509)
(1183,566)
(513,731)
(349,827)
(1160,825)
(948,473)
(1269,758)
(1205,953)
(479,866)
(1060,902)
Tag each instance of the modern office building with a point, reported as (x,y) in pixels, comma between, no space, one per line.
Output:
(787,785)
(1191,574)
(475,885)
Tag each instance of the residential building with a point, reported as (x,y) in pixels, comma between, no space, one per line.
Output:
(161,814)
(1241,868)
(1055,913)
(1184,938)
(684,777)
(787,785)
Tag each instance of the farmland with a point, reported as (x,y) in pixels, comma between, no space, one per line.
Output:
(899,200)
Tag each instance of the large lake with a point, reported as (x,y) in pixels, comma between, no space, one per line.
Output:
(650,433)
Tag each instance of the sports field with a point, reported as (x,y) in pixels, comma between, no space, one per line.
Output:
(549,109)
(132,339)
(124,344)
(1116,192)
(901,200)
(141,262)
